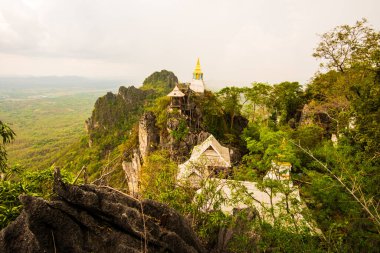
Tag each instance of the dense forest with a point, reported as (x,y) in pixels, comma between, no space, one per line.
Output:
(329,132)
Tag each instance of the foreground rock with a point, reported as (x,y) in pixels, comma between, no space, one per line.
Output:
(96,219)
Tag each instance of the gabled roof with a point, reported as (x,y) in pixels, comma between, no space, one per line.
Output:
(176,92)
(223,152)
(208,153)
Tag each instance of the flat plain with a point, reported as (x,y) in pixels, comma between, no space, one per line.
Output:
(45,122)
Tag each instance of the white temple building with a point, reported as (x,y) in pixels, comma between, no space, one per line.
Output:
(271,204)
(205,158)
(254,195)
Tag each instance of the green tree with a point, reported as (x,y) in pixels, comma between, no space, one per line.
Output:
(346,46)
(230,100)
(213,120)
(258,96)
(7,135)
(286,101)
(365,102)
(158,176)
(350,90)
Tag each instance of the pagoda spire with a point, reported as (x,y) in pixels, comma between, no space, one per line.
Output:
(197,74)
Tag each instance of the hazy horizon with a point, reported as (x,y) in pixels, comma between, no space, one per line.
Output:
(238,42)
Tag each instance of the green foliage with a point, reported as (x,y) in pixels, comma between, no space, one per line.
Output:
(349,90)
(18,181)
(279,104)
(286,101)
(347,46)
(365,102)
(258,97)
(342,218)
(308,136)
(271,146)
(181,132)
(158,182)
(162,82)
(213,116)
(252,235)
(160,110)
(158,176)
(221,117)
(325,86)
(7,135)
(231,102)
(130,143)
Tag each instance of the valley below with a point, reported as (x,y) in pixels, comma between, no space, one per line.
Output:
(46,121)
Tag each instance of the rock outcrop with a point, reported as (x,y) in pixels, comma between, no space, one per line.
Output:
(161,81)
(149,137)
(88,218)
(132,171)
(115,110)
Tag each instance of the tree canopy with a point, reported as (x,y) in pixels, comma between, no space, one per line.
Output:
(7,135)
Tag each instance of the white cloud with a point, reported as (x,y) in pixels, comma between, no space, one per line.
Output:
(238,41)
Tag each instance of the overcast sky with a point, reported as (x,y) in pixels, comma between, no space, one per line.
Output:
(238,41)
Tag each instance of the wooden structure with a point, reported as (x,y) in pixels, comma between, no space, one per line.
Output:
(176,98)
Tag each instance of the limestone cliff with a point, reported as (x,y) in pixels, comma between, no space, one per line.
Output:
(115,110)
(148,134)
(132,170)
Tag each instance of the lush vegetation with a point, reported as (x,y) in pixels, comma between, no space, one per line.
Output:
(329,131)
(45,126)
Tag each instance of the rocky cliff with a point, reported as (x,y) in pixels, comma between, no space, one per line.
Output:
(88,218)
(149,137)
(114,110)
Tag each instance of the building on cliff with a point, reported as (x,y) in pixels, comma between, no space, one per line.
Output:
(271,203)
(197,83)
(181,94)
(274,197)
(207,159)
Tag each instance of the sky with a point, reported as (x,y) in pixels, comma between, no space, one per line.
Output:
(238,42)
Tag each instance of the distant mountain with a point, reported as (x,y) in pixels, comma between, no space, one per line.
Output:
(161,81)
(46,82)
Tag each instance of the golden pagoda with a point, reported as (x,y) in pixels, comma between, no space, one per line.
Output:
(197,74)
(197,83)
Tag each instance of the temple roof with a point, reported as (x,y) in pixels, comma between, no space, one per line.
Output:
(176,92)
(208,153)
